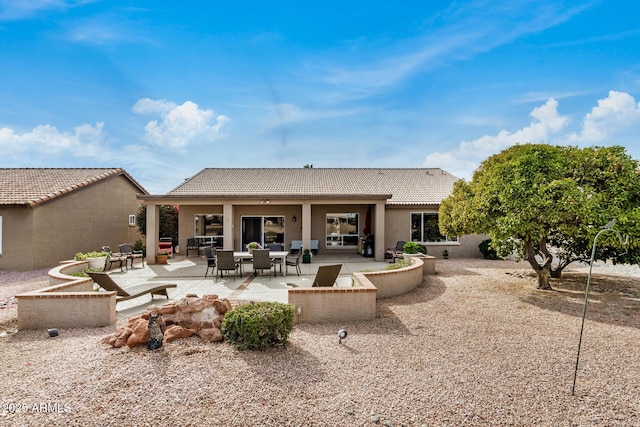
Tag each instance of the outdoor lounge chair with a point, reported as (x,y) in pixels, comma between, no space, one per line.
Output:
(106,283)
(327,275)
(296,246)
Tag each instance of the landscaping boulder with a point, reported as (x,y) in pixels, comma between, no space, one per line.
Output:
(189,316)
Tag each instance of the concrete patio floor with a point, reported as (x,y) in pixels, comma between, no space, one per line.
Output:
(188,274)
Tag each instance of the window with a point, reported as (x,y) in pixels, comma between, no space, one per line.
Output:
(342,229)
(208,228)
(424,228)
(132,220)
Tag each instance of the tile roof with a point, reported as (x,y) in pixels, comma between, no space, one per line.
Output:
(27,186)
(406,186)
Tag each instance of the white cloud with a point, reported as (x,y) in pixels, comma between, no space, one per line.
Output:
(616,112)
(547,121)
(84,140)
(179,125)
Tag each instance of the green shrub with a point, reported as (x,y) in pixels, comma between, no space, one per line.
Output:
(83,273)
(400,263)
(414,248)
(258,326)
(487,251)
(81,257)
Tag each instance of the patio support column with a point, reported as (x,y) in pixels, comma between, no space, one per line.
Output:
(306,225)
(379,231)
(227,227)
(153,231)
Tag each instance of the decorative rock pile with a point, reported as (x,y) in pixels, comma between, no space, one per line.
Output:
(185,318)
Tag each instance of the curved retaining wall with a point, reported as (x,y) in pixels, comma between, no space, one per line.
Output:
(315,305)
(69,302)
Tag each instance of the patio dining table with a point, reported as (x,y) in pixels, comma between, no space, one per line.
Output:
(281,255)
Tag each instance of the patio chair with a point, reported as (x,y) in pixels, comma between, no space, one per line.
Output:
(227,262)
(211,260)
(114,257)
(192,245)
(396,252)
(296,246)
(295,262)
(127,249)
(327,275)
(262,261)
(105,282)
(314,244)
(276,247)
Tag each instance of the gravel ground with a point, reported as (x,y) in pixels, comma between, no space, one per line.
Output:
(476,344)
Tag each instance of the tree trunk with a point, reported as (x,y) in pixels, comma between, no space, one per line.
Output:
(543,271)
(543,280)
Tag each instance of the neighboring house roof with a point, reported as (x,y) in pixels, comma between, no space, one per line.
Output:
(27,186)
(422,186)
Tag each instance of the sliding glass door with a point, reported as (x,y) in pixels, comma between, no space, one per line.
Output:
(262,229)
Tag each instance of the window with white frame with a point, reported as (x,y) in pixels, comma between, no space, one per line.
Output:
(424,228)
(342,230)
(208,228)
(132,220)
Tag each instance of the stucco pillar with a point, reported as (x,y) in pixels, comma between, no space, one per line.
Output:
(306,225)
(379,231)
(227,226)
(153,231)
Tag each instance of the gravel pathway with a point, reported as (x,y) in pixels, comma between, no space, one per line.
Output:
(476,344)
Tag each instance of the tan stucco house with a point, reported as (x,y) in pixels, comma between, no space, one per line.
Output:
(333,208)
(48,215)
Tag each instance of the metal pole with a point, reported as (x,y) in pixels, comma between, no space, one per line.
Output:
(608,227)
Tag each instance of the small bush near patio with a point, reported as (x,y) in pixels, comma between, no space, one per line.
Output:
(400,263)
(487,251)
(414,248)
(258,326)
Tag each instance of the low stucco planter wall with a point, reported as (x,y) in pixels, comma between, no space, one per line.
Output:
(358,302)
(69,302)
(334,304)
(400,281)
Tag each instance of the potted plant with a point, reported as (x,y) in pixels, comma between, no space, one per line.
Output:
(161,257)
(411,249)
(253,245)
(445,254)
(306,257)
(97,260)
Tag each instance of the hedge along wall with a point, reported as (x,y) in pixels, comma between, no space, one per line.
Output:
(69,302)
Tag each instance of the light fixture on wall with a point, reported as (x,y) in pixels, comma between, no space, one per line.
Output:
(294,219)
(265,201)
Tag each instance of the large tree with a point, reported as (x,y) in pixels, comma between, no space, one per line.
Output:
(546,203)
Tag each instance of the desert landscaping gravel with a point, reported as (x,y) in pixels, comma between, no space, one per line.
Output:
(476,344)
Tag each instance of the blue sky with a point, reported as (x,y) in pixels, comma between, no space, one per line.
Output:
(165,88)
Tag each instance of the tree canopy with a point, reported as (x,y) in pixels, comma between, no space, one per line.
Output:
(546,203)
